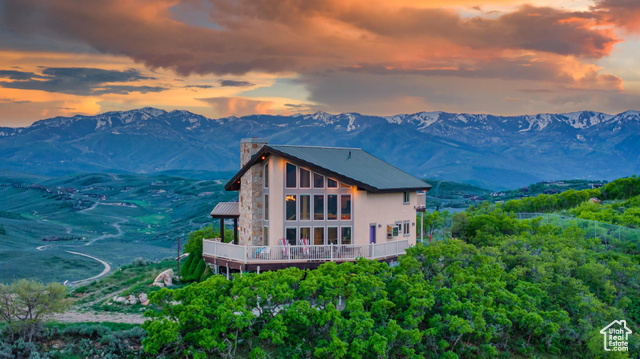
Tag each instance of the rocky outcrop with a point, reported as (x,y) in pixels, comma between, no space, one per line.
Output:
(164,279)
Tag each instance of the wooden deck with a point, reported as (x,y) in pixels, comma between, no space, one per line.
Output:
(261,258)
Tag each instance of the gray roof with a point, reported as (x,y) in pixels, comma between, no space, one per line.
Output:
(350,165)
(226,209)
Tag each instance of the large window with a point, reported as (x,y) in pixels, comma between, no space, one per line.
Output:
(290,207)
(305,178)
(318,181)
(332,235)
(345,207)
(291,176)
(266,207)
(318,207)
(305,207)
(318,236)
(265,175)
(305,233)
(331,183)
(291,235)
(405,228)
(332,207)
(346,235)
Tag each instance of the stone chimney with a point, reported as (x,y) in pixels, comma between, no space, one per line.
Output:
(249,147)
(251,194)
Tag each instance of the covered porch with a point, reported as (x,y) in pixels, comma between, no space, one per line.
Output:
(223,211)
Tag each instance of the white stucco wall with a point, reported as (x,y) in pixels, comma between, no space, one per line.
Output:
(383,209)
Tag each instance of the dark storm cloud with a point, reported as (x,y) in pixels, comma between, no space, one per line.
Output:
(81,81)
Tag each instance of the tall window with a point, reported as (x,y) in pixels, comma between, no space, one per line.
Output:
(305,233)
(266,175)
(291,176)
(345,207)
(291,235)
(266,207)
(331,183)
(332,235)
(318,181)
(305,178)
(265,236)
(318,236)
(318,207)
(305,207)
(406,198)
(291,207)
(346,235)
(405,230)
(332,207)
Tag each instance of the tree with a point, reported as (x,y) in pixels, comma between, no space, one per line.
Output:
(25,303)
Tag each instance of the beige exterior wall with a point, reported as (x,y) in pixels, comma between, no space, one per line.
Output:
(383,209)
(367,208)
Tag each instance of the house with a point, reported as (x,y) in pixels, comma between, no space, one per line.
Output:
(303,205)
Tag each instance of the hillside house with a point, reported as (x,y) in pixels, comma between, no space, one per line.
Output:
(302,206)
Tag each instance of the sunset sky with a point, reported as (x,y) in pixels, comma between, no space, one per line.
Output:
(237,57)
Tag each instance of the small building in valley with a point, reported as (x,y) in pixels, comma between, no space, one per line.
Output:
(303,205)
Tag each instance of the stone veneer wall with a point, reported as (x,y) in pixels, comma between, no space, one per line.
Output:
(251,194)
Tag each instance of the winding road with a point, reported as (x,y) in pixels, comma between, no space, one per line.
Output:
(107,269)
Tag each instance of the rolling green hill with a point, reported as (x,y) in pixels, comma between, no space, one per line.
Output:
(113,217)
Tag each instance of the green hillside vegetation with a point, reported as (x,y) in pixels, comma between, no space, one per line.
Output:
(114,217)
(505,288)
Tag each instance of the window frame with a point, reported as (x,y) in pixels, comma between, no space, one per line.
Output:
(314,180)
(350,207)
(265,175)
(324,237)
(324,207)
(286,213)
(295,236)
(341,233)
(265,216)
(286,178)
(300,207)
(337,206)
(406,228)
(406,197)
(337,235)
(334,180)
(300,169)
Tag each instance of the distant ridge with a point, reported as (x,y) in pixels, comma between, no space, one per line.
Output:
(486,150)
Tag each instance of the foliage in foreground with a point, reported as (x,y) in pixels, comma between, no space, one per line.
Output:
(24,304)
(513,288)
(76,341)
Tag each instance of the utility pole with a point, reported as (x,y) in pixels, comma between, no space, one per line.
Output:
(178,258)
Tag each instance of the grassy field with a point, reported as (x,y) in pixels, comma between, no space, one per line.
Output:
(114,217)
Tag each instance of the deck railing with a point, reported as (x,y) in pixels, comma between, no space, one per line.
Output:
(293,253)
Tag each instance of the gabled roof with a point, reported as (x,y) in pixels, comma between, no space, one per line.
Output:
(350,165)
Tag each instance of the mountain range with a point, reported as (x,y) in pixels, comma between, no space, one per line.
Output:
(486,150)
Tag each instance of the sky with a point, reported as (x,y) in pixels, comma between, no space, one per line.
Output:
(221,58)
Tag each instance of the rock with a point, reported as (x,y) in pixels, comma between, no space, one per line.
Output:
(164,278)
(132,299)
(595,200)
(142,297)
(120,300)
(114,299)
(145,302)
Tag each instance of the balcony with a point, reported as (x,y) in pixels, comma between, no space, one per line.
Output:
(256,258)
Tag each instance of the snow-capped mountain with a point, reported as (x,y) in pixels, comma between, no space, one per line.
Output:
(505,151)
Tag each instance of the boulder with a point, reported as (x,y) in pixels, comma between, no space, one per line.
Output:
(142,297)
(164,279)
(132,299)
(120,299)
(595,200)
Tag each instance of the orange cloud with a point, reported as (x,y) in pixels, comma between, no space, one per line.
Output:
(238,106)
(622,13)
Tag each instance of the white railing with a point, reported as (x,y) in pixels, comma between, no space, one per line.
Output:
(291,253)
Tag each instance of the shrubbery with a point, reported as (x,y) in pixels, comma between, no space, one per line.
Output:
(511,288)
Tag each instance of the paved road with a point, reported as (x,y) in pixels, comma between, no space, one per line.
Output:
(107,269)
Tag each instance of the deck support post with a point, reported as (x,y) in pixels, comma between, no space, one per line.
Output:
(222,230)
(227,271)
